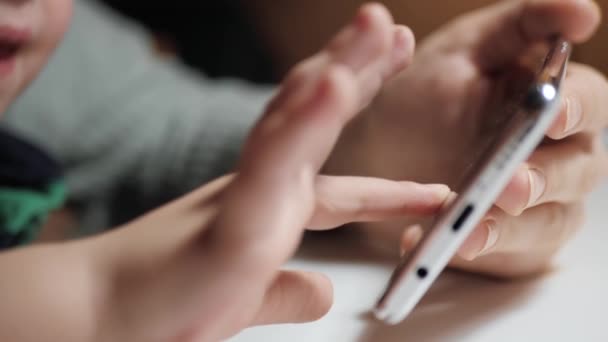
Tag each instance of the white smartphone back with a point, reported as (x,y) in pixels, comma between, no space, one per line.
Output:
(533,115)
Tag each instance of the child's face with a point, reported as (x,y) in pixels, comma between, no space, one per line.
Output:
(29,31)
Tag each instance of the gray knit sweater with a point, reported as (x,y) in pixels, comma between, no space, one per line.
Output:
(132,131)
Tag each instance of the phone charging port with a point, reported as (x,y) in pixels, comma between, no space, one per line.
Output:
(463,217)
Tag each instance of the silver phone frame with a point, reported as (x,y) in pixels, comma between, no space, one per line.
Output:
(414,276)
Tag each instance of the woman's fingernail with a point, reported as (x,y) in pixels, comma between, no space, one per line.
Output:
(410,238)
(538,183)
(574,114)
(481,241)
(492,238)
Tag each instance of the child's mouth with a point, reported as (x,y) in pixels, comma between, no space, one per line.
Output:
(11,42)
(8,50)
(8,58)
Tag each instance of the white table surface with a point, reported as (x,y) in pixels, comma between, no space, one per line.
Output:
(566,305)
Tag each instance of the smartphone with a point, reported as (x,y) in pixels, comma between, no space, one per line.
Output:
(519,110)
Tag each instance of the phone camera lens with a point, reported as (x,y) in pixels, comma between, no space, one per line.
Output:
(537,97)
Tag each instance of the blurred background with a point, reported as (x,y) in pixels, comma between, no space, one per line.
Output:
(264,52)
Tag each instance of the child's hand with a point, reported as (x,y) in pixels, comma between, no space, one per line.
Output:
(208,265)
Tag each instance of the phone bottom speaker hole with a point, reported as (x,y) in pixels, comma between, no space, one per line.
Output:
(422,272)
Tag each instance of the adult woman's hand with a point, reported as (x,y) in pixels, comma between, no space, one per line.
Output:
(423,127)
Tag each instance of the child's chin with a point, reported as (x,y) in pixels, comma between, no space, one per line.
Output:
(11,85)
(7,96)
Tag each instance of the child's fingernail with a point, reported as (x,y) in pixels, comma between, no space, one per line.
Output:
(538,183)
(359,44)
(440,189)
(492,237)
(574,114)
(402,46)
